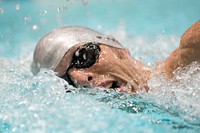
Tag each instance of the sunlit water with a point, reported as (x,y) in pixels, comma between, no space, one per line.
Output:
(40,104)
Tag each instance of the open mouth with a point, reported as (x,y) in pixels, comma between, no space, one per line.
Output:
(116,86)
(110,84)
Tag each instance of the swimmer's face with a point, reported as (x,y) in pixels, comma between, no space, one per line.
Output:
(105,66)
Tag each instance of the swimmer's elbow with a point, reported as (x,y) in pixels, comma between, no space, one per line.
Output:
(190,45)
(191,37)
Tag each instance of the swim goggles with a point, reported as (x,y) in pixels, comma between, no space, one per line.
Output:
(84,57)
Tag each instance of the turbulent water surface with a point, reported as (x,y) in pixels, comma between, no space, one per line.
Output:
(40,103)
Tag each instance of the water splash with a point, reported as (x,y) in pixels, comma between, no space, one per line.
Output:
(39,103)
(181,94)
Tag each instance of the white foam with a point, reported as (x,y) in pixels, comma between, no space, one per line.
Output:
(181,94)
(40,104)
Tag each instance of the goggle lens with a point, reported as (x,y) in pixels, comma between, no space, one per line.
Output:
(86,56)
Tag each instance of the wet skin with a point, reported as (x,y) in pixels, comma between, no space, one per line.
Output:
(115,68)
(187,52)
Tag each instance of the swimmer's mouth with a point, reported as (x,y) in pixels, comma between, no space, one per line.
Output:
(115,85)
(110,84)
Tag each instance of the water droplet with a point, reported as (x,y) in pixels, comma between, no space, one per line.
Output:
(22,126)
(65,7)
(88,14)
(1,10)
(33,107)
(35,115)
(27,19)
(44,13)
(122,97)
(99,27)
(1,36)
(163,31)
(35,27)
(136,109)
(85,2)
(14,129)
(58,9)
(17,6)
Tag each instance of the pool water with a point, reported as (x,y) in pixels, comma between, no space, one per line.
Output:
(150,29)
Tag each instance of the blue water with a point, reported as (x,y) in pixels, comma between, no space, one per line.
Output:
(150,29)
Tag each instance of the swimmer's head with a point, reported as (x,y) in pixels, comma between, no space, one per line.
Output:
(87,58)
(52,47)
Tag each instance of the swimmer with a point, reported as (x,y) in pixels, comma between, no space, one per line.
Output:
(86,58)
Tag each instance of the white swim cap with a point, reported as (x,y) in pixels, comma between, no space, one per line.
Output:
(52,47)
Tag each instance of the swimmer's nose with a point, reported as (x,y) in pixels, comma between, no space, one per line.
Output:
(82,78)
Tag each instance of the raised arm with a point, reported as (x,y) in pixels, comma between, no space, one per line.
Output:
(187,52)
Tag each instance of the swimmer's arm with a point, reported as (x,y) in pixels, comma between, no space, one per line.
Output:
(187,52)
